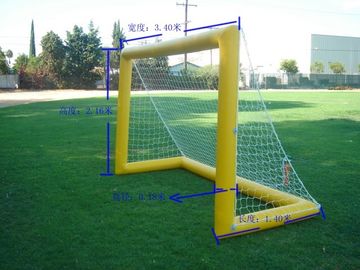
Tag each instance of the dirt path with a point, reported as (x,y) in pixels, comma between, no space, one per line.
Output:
(11,98)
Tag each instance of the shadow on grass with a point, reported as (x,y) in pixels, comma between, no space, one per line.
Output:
(280,105)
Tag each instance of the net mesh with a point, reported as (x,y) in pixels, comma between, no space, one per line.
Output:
(260,155)
(174,113)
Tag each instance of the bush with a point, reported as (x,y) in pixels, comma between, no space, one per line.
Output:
(305,82)
(35,80)
(340,87)
(209,76)
(114,81)
(270,82)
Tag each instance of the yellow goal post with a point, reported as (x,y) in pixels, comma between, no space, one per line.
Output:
(226,222)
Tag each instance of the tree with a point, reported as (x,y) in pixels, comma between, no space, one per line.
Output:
(289,66)
(21,62)
(52,57)
(317,67)
(117,34)
(30,72)
(83,55)
(32,50)
(9,54)
(34,65)
(210,75)
(19,67)
(337,68)
(242,76)
(155,65)
(4,67)
(359,67)
(33,76)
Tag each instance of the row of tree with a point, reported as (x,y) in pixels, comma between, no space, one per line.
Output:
(290,66)
(76,62)
(63,64)
(336,67)
(155,74)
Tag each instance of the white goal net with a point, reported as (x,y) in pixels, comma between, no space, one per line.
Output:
(173,112)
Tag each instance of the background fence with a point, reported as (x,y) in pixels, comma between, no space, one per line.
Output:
(9,81)
(304,81)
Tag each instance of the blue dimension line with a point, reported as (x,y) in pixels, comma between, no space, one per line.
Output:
(209,26)
(177,197)
(107,151)
(215,189)
(132,39)
(110,49)
(107,74)
(108,68)
(239,23)
(236,190)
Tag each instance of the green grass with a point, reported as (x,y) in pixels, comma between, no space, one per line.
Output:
(57,212)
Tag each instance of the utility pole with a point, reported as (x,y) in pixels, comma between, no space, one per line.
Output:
(211,52)
(186,4)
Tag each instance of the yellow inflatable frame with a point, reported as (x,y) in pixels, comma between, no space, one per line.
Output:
(289,208)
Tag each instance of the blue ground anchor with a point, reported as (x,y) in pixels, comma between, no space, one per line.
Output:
(215,236)
(322,213)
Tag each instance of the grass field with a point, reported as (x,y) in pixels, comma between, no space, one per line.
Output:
(57,212)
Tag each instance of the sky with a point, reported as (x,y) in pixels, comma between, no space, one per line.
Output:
(274,30)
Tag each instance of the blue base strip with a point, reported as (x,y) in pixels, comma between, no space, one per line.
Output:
(301,218)
(239,232)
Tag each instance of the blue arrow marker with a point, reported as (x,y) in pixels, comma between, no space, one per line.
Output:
(177,197)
